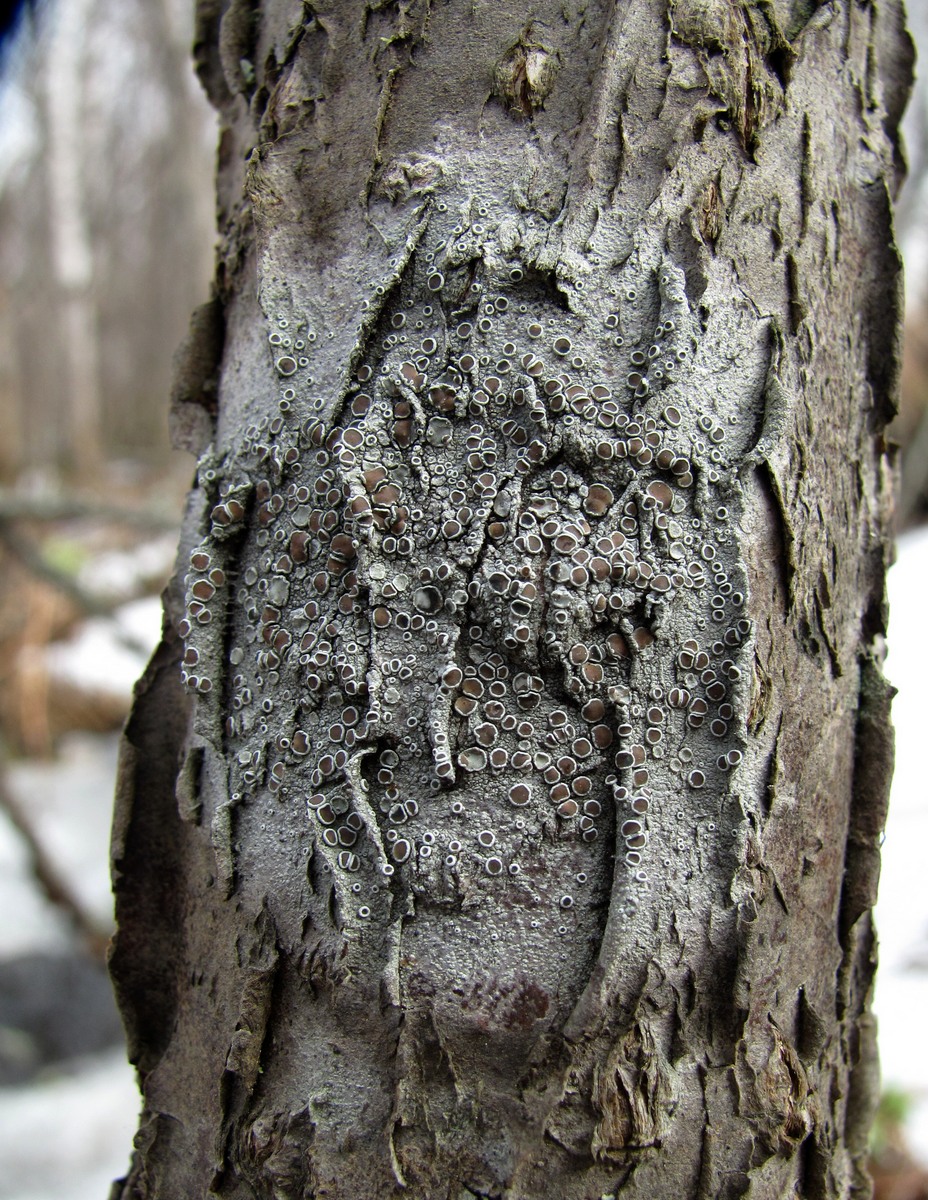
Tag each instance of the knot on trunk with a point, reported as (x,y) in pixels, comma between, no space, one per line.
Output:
(524,78)
(635,1095)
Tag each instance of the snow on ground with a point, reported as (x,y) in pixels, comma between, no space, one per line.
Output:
(107,655)
(69,1136)
(901,1001)
(121,574)
(28,922)
(69,1132)
(69,805)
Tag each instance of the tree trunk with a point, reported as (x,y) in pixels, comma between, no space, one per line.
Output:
(70,233)
(500,814)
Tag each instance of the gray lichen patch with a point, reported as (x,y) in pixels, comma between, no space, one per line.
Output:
(481,628)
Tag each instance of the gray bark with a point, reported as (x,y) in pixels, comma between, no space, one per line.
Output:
(500,814)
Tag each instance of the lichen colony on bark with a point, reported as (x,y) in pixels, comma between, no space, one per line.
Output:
(509,826)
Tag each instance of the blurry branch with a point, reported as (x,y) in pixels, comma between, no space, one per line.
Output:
(39,566)
(85,601)
(52,883)
(14,506)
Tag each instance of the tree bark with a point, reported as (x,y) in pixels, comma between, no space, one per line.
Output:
(500,814)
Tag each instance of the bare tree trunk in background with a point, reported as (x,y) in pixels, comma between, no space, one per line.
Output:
(107,217)
(72,249)
(910,428)
(514,828)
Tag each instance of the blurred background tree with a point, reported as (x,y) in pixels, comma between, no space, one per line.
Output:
(910,429)
(107,148)
(106,229)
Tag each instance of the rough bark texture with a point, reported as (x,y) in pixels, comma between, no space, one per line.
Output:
(519,833)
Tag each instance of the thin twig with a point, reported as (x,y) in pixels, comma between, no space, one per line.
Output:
(54,886)
(41,568)
(14,506)
(87,602)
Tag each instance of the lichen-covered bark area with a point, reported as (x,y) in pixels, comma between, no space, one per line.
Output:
(500,816)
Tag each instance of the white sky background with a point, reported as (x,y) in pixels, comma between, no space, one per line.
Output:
(902,909)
